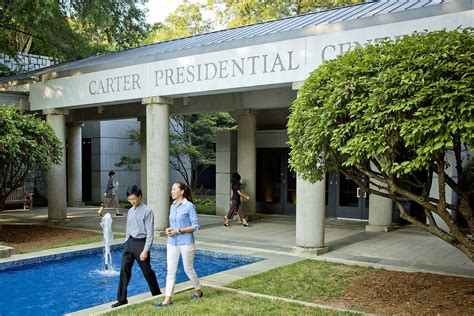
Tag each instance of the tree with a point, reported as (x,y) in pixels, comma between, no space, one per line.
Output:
(192,140)
(26,143)
(186,20)
(233,13)
(70,29)
(395,113)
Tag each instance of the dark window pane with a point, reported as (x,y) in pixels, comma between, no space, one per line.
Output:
(347,192)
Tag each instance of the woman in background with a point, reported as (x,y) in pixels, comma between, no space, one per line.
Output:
(236,205)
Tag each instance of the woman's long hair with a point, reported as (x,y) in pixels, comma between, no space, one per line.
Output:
(187,191)
(235,178)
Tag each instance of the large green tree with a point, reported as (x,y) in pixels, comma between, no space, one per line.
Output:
(26,143)
(186,20)
(234,13)
(70,29)
(400,113)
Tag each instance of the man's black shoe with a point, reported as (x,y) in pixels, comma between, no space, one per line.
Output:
(119,303)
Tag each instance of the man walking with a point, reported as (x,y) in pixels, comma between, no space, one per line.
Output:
(111,198)
(139,238)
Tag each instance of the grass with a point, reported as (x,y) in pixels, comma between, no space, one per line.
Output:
(217,302)
(75,242)
(307,280)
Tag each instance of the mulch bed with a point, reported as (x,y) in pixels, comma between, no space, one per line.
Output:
(390,292)
(25,238)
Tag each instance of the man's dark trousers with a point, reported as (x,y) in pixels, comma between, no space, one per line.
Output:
(133,247)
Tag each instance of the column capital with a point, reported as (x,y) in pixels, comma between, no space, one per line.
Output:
(246,112)
(55,112)
(157,100)
(75,124)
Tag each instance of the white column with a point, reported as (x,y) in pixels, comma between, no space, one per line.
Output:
(57,204)
(143,157)
(157,161)
(310,214)
(380,212)
(247,157)
(74,164)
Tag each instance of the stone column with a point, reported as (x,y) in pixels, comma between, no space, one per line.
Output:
(143,157)
(57,200)
(74,164)
(380,212)
(157,161)
(247,157)
(310,214)
(226,164)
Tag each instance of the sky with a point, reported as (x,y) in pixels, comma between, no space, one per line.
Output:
(158,10)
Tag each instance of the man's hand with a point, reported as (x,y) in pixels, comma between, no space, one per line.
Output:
(143,255)
(168,231)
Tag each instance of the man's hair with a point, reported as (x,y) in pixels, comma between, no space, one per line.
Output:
(111,173)
(134,190)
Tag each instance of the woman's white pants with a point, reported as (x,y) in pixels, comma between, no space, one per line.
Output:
(172,258)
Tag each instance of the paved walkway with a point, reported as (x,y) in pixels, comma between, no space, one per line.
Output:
(407,248)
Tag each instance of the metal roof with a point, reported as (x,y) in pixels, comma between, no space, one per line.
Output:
(244,32)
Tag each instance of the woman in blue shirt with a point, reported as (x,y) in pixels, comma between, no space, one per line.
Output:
(183,222)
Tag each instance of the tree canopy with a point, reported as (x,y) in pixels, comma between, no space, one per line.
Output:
(70,29)
(186,20)
(26,143)
(400,113)
(233,13)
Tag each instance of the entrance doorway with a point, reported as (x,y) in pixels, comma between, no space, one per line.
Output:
(344,199)
(276,182)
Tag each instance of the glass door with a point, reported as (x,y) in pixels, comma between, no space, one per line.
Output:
(344,199)
(276,183)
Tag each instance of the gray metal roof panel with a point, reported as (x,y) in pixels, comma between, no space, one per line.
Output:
(250,31)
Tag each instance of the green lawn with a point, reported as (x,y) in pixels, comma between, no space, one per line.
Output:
(306,280)
(217,302)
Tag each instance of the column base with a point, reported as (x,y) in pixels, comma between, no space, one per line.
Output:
(312,251)
(160,233)
(251,217)
(379,228)
(58,221)
(6,251)
(76,204)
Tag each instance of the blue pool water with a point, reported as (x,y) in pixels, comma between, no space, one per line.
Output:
(65,283)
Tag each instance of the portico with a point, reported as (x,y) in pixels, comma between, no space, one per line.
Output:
(252,72)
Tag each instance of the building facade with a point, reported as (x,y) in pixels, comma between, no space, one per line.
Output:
(253,72)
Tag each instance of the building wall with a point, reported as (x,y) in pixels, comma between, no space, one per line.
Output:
(110,141)
(26,62)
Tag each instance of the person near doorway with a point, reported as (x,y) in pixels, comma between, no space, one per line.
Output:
(235,204)
(111,198)
(138,241)
(183,222)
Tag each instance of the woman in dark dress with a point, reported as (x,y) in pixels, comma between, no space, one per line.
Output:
(236,205)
